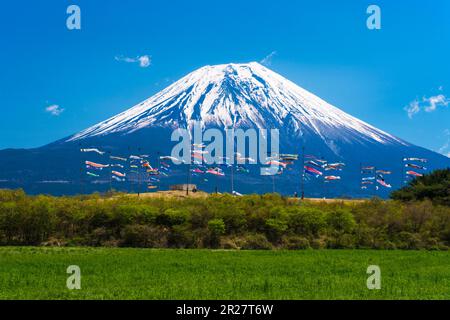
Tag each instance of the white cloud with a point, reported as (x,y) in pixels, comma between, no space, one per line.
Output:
(436,101)
(427,104)
(267,61)
(144,61)
(412,108)
(54,110)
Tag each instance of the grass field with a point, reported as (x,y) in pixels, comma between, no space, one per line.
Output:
(40,273)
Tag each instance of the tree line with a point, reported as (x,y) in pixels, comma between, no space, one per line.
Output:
(221,221)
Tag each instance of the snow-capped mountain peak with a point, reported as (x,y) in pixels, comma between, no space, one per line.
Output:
(240,95)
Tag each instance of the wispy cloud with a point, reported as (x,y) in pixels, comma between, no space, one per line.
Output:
(429,104)
(54,110)
(412,108)
(144,61)
(267,60)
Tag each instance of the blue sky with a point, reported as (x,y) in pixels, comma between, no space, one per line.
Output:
(55,82)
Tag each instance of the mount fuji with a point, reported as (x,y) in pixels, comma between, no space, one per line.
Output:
(241,96)
(224,96)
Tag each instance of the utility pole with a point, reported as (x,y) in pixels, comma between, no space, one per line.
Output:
(81,169)
(110,171)
(273,183)
(217,182)
(232,179)
(323,181)
(403,178)
(130,184)
(158,170)
(361,185)
(302,171)
(233,163)
(375,182)
(188,180)
(139,172)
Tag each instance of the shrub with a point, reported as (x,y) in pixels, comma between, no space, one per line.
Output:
(295,243)
(99,236)
(181,237)
(54,242)
(341,221)
(228,243)
(417,215)
(319,243)
(37,221)
(12,195)
(408,240)
(216,228)
(275,228)
(306,221)
(172,217)
(133,213)
(255,241)
(144,236)
(221,221)
(235,220)
(10,222)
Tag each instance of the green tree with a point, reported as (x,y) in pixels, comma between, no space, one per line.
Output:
(434,186)
(216,228)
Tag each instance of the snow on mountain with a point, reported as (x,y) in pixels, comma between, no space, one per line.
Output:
(241,95)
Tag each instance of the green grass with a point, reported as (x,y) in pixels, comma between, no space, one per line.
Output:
(40,273)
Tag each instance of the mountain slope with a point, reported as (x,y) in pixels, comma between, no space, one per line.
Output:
(241,96)
(222,96)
